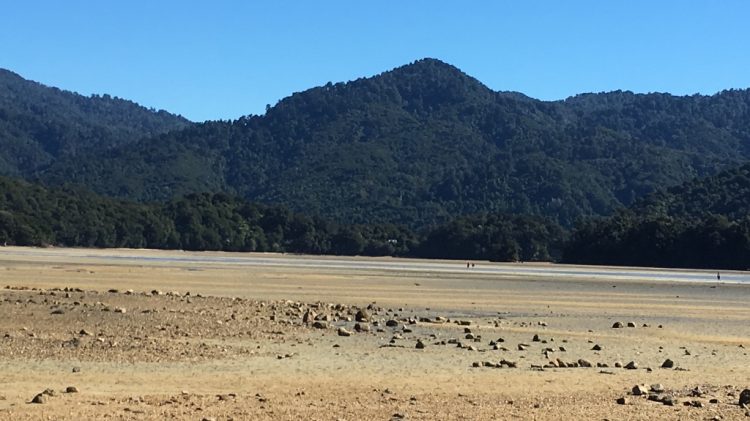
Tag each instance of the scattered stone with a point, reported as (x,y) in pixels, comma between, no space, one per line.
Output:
(362,316)
(631,365)
(391,323)
(509,364)
(669,400)
(76,369)
(667,363)
(657,388)
(622,401)
(308,317)
(617,325)
(596,347)
(319,324)
(639,390)
(362,327)
(585,363)
(71,389)
(40,398)
(745,397)
(343,332)
(120,310)
(631,324)
(58,311)
(420,344)
(535,338)
(522,347)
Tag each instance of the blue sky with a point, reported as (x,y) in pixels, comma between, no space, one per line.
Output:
(224,59)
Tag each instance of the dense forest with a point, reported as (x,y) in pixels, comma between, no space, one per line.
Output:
(40,124)
(702,223)
(424,143)
(32,215)
(668,234)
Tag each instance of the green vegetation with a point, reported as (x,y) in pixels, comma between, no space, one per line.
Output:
(39,124)
(420,161)
(424,143)
(704,223)
(35,216)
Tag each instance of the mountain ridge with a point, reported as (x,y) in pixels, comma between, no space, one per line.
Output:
(424,142)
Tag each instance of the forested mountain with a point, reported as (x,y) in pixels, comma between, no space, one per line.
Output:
(424,143)
(39,124)
(703,223)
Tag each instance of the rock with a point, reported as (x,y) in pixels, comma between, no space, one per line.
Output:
(639,390)
(319,324)
(343,332)
(362,327)
(618,364)
(585,363)
(745,397)
(617,325)
(391,323)
(84,332)
(308,317)
(631,365)
(667,363)
(469,336)
(58,311)
(362,316)
(657,388)
(596,347)
(420,344)
(631,324)
(464,323)
(120,310)
(535,338)
(71,389)
(669,400)
(622,401)
(39,398)
(76,369)
(476,364)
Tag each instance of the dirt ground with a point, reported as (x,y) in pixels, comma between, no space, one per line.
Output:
(164,339)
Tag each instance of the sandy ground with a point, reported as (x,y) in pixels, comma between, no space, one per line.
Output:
(177,340)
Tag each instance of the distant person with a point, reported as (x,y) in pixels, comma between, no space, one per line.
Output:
(718,276)
(467,265)
(472,265)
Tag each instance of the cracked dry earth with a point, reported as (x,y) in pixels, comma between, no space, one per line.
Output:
(148,354)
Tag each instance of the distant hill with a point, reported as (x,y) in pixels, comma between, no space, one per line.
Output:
(40,124)
(425,142)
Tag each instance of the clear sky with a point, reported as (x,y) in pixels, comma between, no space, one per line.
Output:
(224,59)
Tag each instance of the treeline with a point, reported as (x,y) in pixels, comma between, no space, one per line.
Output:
(704,223)
(658,241)
(665,229)
(31,215)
